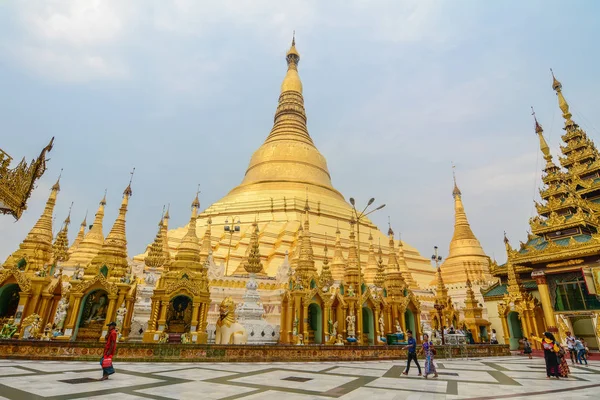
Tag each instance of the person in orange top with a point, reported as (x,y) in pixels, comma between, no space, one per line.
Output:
(551,350)
(109,351)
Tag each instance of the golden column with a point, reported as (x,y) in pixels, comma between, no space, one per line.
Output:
(542,283)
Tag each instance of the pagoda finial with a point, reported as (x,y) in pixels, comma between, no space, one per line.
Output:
(188,252)
(456,190)
(562,103)
(196,202)
(56,186)
(292,82)
(128,192)
(543,144)
(167,216)
(390,230)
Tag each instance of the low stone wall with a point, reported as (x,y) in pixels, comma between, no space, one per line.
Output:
(87,351)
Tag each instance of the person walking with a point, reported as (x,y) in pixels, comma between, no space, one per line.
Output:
(430,352)
(563,365)
(412,353)
(109,351)
(527,347)
(571,347)
(580,347)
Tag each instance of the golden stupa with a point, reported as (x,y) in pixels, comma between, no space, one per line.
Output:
(285,171)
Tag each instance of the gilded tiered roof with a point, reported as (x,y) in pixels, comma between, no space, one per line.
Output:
(372,267)
(92,242)
(568,217)
(36,248)
(253,264)
(79,237)
(16,184)
(60,248)
(156,257)
(339,262)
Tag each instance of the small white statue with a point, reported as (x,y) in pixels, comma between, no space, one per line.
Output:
(121,312)
(381,326)
(334,330)
(295,327)
(58,273)
(300,340)
(42,272)
(61,315)
(339,341)
(78,274)
(398,328)
(150,279)
(351,324)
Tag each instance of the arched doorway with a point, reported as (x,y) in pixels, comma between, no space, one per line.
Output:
(409,321)
(179,315)
(315,324)
(368,325)
(92,316)
(515,330)
(9,300)
(584,327)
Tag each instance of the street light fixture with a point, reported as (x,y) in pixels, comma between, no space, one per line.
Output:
(231,229)
(358,216)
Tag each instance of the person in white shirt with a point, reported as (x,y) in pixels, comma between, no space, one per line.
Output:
(571,346)
(494,339)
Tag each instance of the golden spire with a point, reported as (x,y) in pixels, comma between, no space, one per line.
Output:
(156,256)
(351,275)
(462,229)
(60,248)
(403,267)
(395,281)
(543,144)
(339,262)
(470,300)
(113,253)
(80,235)
(188,252)
(379,280)
(441,292)
(306,262)
(514,281)
(164,235)
(288,156)
(325,279)
(372,266)
(36,248)
(562,103)
(92,242)
(206,242)
(253,265)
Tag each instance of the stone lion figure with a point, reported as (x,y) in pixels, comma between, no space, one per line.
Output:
(228,331)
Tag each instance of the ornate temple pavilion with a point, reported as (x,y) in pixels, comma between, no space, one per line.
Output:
(551,281)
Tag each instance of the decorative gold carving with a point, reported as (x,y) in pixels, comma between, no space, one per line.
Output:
(17,184)
(565,263)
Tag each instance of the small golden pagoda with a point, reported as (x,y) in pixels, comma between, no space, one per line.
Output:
(449,315)
(17,184)
(106,290)
(27,284)
(558,264)
(473,319)
(181,298)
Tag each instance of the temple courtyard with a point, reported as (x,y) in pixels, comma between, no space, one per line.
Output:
(512,377)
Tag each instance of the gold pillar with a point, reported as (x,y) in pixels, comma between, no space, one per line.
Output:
(378,334)
(325,324)
(74,311)
(195,312)
(503,318)
(288,322)
(389,320)
(163,312)
(540,279)
(305,321)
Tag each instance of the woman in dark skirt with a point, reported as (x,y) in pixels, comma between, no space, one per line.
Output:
(527,347)
(551,350)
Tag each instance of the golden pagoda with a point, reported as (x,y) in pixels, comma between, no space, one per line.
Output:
(473,320)
(281,172)
(106,291)
(447,316)
(16,184)
(558,264)
(465,253)
(181,298)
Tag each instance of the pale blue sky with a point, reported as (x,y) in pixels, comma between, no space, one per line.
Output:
(186,90)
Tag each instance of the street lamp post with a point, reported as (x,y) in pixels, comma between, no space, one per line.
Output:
(438,306)
(358,216)
(231,229)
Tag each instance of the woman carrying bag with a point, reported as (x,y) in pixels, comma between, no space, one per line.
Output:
(109,352)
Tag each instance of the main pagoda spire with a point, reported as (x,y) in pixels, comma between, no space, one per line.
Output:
(288,156)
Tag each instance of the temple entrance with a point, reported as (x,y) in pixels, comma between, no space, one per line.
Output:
(368,325)
(9,300)
(315,324)
(179,315)
(515,330)
(584,327)
(92,316)
(483,334)
(409,322)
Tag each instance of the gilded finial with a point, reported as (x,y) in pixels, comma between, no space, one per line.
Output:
(128,192)
(56,186)
(103,201)
(390,231)
(556,85)
(562,103)
(167,216)
(538,127)
(68,219)
(196,202)
(84,222)
(456,190)
(543,144)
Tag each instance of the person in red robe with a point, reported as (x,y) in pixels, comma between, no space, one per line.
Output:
(109,351)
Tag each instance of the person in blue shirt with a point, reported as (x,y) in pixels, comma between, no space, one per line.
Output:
(579,346)
(412,353)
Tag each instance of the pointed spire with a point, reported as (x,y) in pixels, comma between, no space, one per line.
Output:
(92,242)
(206,241)
(395,281)
(156,257)
(562,103)
(456,191)
(306,263)
(441,292)
(113,254)
(338,263)
(188,252)
(351,274)
(60,248)
(292,79)
(543,144)
(325,279)
(253,264)
(462,229)
(379,280)
(372,266)
(164,235)
(80,236)
(36,248)
(403,267)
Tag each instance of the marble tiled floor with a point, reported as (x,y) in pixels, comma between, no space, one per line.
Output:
(513,377)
